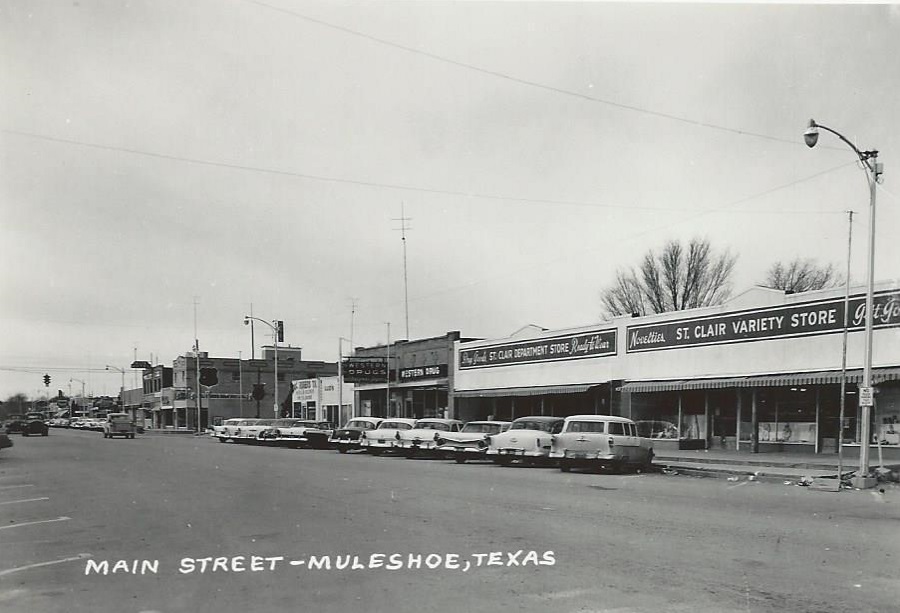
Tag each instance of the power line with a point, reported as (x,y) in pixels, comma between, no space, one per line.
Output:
(522,81)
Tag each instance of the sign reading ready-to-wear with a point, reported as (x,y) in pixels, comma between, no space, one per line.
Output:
(570,347)
(794,320)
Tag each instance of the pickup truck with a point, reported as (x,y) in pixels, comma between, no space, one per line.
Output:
(118,424)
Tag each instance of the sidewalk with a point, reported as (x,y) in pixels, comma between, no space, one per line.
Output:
(771,467)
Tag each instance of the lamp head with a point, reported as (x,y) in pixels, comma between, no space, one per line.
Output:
(246,321)
(811,136)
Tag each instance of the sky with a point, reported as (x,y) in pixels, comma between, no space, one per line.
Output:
(167,166)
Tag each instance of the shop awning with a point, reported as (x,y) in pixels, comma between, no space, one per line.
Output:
(879,375)
(524,391)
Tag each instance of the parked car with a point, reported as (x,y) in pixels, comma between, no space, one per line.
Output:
(470,443)
(274,432)
(14,424)
(35,424)
(225,430)
(247,430)
(5,441)
(303,433)
(527,440)
(422,439)
(384,437)
(347,438)
(600,441)
(118,424)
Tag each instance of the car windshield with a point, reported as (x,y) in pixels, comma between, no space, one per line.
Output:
(543,426)
(585,426)
(286,423)
(395,425)
(249,422)
(362,424)
(432,425)
(482,428)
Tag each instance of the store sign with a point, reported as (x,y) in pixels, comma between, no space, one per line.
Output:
(571,347)
(364,370)
(806,319)
(414,373)
(305,390)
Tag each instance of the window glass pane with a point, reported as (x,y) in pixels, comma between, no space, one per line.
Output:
(616,428)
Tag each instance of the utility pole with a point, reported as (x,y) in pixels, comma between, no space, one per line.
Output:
(387,376)
(840,436)
(197,370)
(403,228)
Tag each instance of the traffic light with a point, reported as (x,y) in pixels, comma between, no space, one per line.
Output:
(279,329)
(47,380)
(209,376)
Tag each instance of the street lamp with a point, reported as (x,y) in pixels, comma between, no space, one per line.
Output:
(122,392)
(274,326)
(869,160)
(341,340)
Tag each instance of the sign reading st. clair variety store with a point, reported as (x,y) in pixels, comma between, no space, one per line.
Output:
(804,319)
(571,347)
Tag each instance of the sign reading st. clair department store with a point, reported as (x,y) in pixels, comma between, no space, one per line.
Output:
(802,319)
(571,347)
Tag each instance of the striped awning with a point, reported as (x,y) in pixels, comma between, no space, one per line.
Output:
(828,377)
(524,391)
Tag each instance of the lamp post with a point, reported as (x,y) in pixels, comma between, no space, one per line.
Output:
(122,391)
(341,340)
(869,160)
(274,326)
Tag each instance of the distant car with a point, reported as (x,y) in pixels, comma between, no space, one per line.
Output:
(119,424)
(384,438)
(35,424)
(422,439)
(224,430)
(347,438)
(14,424)
(5,441)
(248,430)
(527,440)
(303,433)
(600,441)
(470,443)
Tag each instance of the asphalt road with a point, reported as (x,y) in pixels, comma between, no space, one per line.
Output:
(74,504)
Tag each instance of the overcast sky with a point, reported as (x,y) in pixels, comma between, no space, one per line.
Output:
(158,154)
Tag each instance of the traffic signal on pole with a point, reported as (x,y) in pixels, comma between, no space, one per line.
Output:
(47,380)
(279,329)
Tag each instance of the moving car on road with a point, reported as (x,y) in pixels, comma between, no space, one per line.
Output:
(527,440)
(35,424)
(118,424)
(347,438)
(14,424)
(384,438)
(600,441)
(470,443)
(422,439)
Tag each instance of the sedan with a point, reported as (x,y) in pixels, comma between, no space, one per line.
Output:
(470,443)
(527,440)
(384,438)
(422,439)
(348,437)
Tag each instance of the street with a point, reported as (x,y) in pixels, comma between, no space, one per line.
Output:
(182,523)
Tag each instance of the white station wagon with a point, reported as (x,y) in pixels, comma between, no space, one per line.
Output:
(600,441)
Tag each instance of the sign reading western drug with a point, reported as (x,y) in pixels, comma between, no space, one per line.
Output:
(570,347)
(804,319)
(364,370)
(435,371)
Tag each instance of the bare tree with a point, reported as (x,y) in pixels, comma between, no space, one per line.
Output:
(675,279)
(801,275)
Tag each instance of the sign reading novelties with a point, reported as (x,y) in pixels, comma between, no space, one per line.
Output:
(413,373)
(804,319)
(571,347)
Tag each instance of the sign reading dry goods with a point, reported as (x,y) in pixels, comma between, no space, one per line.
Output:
(364,370)
(775,322)
(572,347)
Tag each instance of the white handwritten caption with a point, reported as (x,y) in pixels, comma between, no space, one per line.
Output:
(374,561)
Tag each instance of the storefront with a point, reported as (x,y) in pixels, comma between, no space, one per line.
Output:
(406,379)
(762,372)
(318,399)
